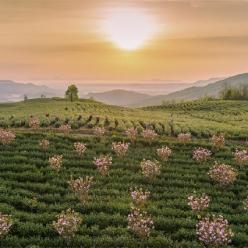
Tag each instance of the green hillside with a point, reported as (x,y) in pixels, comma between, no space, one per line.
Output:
(202,118)
(34,194)
(193,93)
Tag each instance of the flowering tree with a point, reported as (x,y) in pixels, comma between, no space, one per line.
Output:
(201,154)
(120,148)
(99,131)
(5,224)
(55,162)
(184,137)
(214,231)
(34,122)
(245,203)
(6,137)
(140,222)
(44,144)
(241,157)
(223,174)
(81,187)
(67,223)
(164,153)
(65,128)
(149,135)
(150,168)
(139,197)
(80,148)
(131,133)
(103,164)
(218,140)
(198,203)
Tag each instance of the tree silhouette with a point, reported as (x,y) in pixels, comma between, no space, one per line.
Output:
(71,92)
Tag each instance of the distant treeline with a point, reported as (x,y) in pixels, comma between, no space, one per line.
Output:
(235,93)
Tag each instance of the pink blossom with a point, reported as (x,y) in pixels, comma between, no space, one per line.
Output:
(140,222)
(198,203)
(5,224)
(201,154)
(6,137)
(103,164)
(80,148)
(150,168)
(120,148)
(222,174)
(214,231)
(164,153)
(67,223)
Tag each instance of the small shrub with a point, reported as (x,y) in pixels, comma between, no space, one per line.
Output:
(214,231)
(44,144)
(33,122)
(198,203)
(65,128)
(164,153)
(150,168)
(140,223)
(5,224)
(80,148)
(139,197)
(222,174)
(184,137)
(120,148)
(67,223)
(245,203)
(218,140)
(241,157)
(81,187)
(99,131)
(6,137)
(201,154)
(55,162)
(103,164)
(131,133)
(149,135)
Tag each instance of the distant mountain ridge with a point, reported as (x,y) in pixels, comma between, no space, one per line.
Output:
(12,91)
(205,82)
(196,92)
(119,97)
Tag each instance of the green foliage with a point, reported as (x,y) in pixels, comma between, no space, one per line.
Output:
(232,93)
(201,118)
(71,93)
(35,195)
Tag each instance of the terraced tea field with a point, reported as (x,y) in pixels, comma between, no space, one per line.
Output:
(201,118)
(34,195)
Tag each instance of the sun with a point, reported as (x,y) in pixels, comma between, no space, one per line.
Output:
(129,28)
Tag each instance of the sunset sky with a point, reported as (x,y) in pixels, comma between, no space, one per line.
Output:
(122,40)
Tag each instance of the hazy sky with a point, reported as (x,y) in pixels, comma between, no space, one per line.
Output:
(69,40)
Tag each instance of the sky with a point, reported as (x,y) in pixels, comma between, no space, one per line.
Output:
(82,40)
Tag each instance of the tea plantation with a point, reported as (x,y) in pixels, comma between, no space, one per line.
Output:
(34,195)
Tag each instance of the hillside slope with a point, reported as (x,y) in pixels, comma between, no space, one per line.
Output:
(194,92)
(198,117)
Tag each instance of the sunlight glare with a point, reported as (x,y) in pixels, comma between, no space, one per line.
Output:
(129,28)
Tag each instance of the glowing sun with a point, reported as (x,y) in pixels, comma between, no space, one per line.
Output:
(129,28)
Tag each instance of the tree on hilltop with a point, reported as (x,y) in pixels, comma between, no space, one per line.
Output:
(71,92)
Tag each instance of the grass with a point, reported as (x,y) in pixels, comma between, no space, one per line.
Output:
(24,174)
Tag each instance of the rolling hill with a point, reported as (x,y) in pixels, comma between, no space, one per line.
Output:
(196,92)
